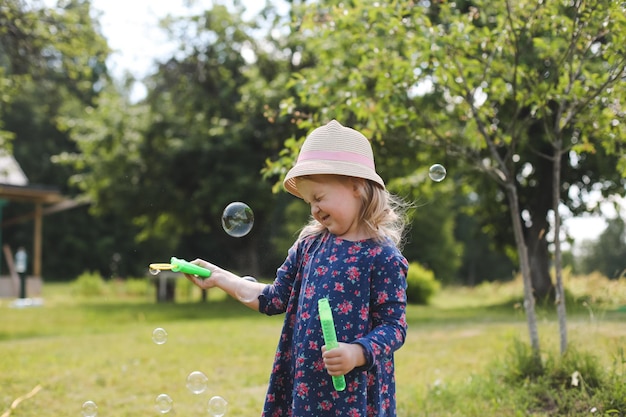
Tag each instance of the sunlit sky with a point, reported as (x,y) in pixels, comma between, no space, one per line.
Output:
(131,29)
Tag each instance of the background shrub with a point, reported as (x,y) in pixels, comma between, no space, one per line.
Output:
(89,284)
(421,284)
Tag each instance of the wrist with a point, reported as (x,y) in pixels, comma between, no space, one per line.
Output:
(358,353)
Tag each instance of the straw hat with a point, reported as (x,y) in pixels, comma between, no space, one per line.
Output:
(334,149)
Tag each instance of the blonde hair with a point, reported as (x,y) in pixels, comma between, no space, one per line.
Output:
(383,214)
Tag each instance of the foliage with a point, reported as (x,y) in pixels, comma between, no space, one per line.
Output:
(89,284)
(575,383)
(421,284)
(195,144)
(607,254)
(53,50)
(509,87)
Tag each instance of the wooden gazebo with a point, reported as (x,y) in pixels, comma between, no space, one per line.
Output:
(14,187)
(45,200)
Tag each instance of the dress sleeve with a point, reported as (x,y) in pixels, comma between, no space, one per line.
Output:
(387,308)
(275,297)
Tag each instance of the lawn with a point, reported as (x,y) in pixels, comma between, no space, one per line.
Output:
(55,357)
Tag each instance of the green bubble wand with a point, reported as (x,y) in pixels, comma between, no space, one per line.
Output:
(180,265)
(330,336)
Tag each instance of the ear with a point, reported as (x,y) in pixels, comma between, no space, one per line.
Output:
(357,185)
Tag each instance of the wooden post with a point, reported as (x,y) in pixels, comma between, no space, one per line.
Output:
(37,241)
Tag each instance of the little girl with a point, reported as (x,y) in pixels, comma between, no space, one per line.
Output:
(348,253)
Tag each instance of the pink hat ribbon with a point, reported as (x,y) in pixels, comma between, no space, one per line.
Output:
(337,156)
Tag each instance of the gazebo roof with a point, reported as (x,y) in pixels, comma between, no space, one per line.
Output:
(14,184)
(30,194)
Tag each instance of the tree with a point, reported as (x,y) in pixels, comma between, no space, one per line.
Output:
(198,141)
(52,63)
(493,83)
(607,254)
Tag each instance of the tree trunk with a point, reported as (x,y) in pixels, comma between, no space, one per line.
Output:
(539,257)
(560,291)
(539,200)
(522,250)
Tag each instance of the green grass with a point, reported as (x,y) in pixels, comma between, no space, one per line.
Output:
(76,348)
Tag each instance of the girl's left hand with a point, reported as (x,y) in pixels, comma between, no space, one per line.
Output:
(343,359)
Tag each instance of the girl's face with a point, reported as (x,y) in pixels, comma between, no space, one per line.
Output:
(335,202)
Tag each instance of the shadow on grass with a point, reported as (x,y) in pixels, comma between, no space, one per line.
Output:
(102,317)
(96,316)
(509,311)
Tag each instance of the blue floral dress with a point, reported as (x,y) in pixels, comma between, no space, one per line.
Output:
(366,285)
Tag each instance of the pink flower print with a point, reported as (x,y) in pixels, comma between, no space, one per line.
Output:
(302,390)
(376,349)
(339,287)
(353,386)
(309,291)
(326,405)
(332,259)
(382,297)
(319,364)
(364,313)
(313,345)
(353,412)
(350,260)
(375,251)
(345,307)
(353,273)
(299,361)
(354,249)
(386,404)
(321,270)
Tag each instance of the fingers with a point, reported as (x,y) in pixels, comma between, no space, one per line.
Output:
(202,263)
(337,361)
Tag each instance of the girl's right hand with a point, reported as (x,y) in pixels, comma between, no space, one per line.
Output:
(204,283)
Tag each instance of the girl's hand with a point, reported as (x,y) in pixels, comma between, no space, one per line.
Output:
(343,359)
(204,283)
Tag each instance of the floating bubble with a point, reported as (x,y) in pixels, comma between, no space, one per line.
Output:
(237,219)
(437,172)
(90,409)
(159,336)
(217,406)
(154,271)
(197,382)
(245,292)
(163,403)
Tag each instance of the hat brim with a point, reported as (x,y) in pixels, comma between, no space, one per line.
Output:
(331,168)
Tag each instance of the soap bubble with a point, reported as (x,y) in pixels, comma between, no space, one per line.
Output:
(90,409)
(217,406)
(159,336)
(163,403)
(197,382)
(237,219)
(244,292)
(437,172)
(154,271)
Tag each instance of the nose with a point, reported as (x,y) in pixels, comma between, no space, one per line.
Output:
(314,209)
